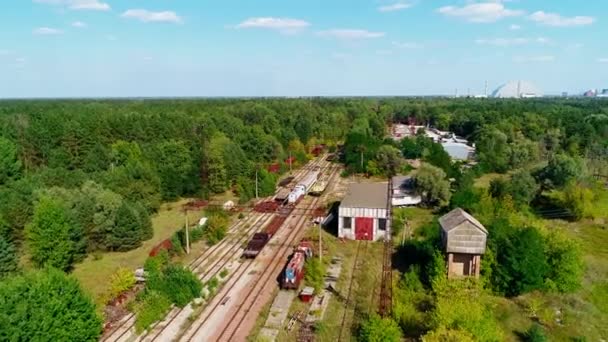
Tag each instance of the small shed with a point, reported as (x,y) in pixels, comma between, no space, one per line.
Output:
(464,239)
(362,214)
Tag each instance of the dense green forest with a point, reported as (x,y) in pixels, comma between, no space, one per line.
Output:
(84,176)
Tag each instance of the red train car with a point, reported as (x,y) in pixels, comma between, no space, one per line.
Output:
(294,271)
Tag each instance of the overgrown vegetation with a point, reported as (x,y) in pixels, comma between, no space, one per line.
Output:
(166,283)
(46,305)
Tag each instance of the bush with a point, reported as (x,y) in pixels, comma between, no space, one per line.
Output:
(152,307)
(121,281)
(216,228)
(196,234)
(181,285)
(176,244)
(315,272)
(46,305)
(376,329)
(566,266)
(535,334)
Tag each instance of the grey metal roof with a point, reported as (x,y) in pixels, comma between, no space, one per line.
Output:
(403,182)
(463,233)
(366,195)
(457,216)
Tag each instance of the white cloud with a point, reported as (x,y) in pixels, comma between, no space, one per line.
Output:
(47,31)
(406,45)
(20,60)
(602,60)
(111,37)
(149,16)
(535,59)
(554,19)
(90,5)
(287,25)
(348,34)
(483,12)
(79,24)
(341,56)
(514,27)
(395,7)
(512,41)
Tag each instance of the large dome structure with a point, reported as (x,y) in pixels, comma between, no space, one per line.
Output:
(517,89)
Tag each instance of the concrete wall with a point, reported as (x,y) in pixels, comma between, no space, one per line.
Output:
(360,212)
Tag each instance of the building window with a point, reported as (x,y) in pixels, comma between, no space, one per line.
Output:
(382,224)
(347,223)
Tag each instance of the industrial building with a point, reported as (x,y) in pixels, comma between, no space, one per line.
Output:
(464,239)
(458,148)
(517,90)
(363,212)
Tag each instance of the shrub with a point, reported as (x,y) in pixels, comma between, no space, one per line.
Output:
(376,329)
(535,334)
(315,271)
(152,307)
(121,281)
(196,234)
(566,266)
(181,285)
(176,244)
(224,273)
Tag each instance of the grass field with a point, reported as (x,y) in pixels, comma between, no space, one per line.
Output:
(564,316)
(94,272)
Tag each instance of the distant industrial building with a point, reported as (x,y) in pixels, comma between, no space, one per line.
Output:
(363,212)
(458,148)
(404,193)
(517,90)
(464,239)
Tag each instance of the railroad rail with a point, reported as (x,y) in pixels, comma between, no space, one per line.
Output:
(356,265)
(261,281)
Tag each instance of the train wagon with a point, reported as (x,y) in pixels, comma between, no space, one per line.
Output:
(256,244)
(294,270)
(303,187)
(282,195)
(286,181)
(318,188)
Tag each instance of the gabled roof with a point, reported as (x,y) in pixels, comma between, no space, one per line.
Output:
(456,217)
(366,195)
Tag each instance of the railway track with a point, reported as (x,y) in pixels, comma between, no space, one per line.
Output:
(227,247)
(126,326)
(251,298)
(356,265)
(213,269)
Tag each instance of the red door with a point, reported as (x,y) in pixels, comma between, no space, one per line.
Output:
(364,228)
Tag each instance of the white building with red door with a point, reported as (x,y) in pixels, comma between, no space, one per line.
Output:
(362,214)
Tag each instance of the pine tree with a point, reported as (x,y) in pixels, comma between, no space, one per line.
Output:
(127,233)
(8,258)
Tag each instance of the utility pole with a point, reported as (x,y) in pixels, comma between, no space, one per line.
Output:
(320,244)
(187,234)
(290,162)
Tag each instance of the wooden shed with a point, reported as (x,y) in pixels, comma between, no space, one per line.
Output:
(464,239)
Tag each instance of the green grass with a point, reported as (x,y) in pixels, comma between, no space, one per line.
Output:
(485,180)
(94,275)
(585,312)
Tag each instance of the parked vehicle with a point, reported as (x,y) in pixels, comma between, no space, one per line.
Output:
(294,271)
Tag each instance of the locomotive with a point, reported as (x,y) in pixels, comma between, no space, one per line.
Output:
(303,187)
(294,270)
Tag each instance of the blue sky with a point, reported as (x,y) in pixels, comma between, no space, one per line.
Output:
(82,48)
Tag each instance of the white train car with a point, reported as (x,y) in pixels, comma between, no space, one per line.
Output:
(302,188)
